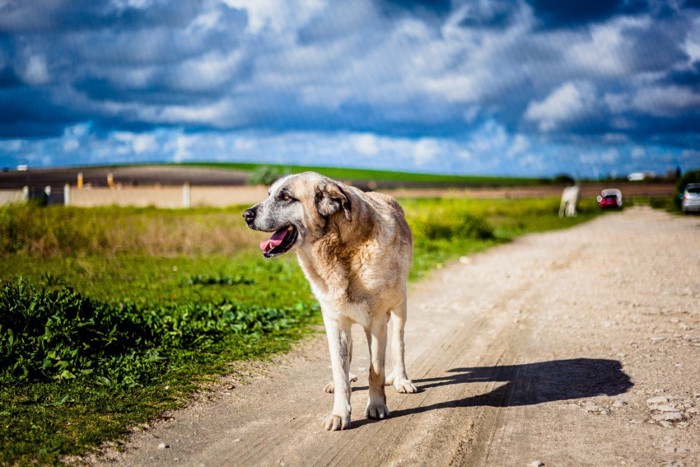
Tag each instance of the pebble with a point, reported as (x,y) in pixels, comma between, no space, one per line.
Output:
(657,400)
(536,464)
(163,446)
(668,417)
(665,408)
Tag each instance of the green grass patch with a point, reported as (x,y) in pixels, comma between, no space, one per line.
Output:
(109,316)
(340,173)
(448,228)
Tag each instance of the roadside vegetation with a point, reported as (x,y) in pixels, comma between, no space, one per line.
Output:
(265,173)
(111,316)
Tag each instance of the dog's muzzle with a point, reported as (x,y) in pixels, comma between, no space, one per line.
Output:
(281,241)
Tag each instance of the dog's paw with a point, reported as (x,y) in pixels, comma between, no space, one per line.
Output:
(377,410)
(336,422)
(330,387)
(402,385)
(405,386)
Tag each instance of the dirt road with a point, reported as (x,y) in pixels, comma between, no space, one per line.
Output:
(577,347)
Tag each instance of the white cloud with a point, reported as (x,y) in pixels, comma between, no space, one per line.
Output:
(692,41)
(567,103)
(519,145)
(601,52)
(219,114)
(489,139)
(144,143)
(71,145)
(465,155)
(665,100)
(181,146)
(206,72)
(277,15)
(128,4)
(244,144)
(533,162)
(35,71)
(425,150)
(366,144)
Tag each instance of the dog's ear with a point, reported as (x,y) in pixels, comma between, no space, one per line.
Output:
(331,198)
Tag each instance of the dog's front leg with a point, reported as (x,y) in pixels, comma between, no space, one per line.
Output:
(329,388)
(338,333)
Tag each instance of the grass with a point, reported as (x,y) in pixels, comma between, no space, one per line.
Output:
(381,175)
(110,316)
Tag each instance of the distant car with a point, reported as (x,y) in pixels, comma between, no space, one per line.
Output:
(610,198)
(690,201)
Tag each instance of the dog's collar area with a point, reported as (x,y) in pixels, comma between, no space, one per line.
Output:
(280,242)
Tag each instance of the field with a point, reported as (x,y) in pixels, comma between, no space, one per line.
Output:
(110,316)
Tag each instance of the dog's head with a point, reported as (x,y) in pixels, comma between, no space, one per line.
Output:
(297,211)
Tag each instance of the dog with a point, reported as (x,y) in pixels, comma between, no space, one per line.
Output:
(355,249)
(569,199)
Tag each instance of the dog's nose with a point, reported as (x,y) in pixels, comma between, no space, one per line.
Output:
(249,215)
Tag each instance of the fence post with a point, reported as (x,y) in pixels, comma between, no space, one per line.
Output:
(66,194)
(25,194)
(186,195)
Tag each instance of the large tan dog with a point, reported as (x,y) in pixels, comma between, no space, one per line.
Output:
(356,250)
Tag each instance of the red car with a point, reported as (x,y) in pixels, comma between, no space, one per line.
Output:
(610,198)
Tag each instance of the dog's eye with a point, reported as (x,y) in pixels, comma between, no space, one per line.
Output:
(285,197)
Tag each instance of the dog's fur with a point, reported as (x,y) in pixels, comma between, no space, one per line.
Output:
(355,248)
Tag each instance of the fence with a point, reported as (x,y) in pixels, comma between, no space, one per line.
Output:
(157,196)
(14,196)
(221,196)
(165,196)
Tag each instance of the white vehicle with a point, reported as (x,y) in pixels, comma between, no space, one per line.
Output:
(690,201)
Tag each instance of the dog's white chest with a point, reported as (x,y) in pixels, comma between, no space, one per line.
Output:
(356,312)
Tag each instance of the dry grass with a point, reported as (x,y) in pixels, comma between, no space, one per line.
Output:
(59,232)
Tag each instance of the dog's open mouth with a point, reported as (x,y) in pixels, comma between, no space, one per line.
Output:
(280,242)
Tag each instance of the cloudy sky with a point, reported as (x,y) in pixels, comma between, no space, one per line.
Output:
(506,87)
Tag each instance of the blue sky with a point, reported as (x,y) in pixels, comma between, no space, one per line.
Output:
(529,87)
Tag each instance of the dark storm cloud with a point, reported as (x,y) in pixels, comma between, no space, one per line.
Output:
(475,78)
(107,58)
(437,7)
(558,14)
(51,16)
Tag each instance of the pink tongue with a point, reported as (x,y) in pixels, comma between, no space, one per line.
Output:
(274,241)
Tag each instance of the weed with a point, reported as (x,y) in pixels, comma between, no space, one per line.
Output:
(221,279)
(59,340)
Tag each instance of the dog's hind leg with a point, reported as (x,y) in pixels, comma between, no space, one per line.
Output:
(338,333)
(376,339)
(398,376)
